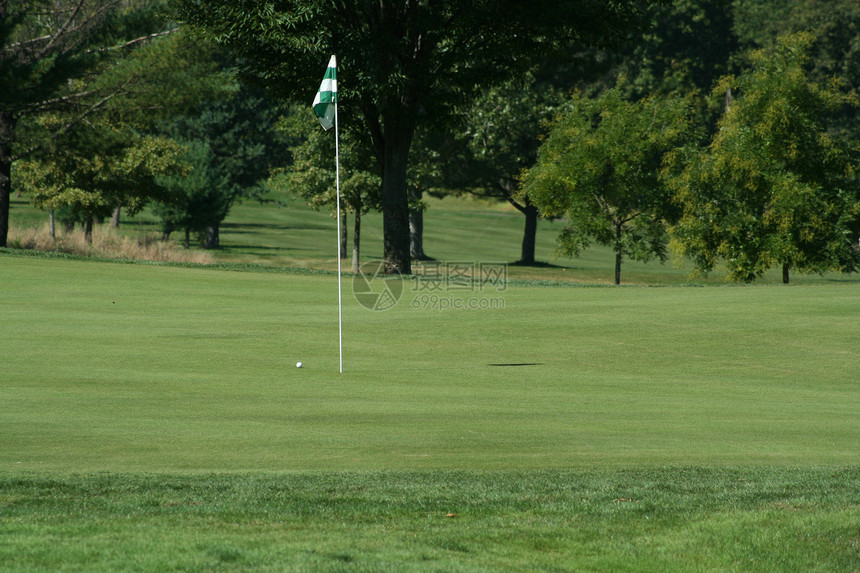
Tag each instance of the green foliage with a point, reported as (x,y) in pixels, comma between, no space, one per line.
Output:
(774,186)
(312,174)
(92,148)
(498,137)
(98,168)
(449,50)
(688,46)
(232,145)
(49,55)
(600,167)
(81,59)
(44,44)
(402,65)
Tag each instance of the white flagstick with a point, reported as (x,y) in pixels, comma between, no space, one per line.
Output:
(339,294)
(325,98)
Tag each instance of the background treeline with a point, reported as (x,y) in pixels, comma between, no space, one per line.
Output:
(725,131)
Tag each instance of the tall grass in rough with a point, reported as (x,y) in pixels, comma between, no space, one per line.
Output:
(106,244)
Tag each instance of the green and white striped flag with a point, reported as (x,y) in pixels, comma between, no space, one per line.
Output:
(326,98)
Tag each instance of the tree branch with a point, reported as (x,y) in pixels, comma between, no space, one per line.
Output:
(92,109)
(62,31)
(133,42)
(44,104)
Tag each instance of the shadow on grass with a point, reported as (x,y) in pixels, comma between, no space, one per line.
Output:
(251,249)
(248,227)
(537,265)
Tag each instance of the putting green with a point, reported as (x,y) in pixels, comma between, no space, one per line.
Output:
(122,367)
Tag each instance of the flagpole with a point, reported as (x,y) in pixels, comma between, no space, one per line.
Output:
(324,103)
(339,285)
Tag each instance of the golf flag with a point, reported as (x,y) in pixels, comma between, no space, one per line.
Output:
(326,98)
(325,108)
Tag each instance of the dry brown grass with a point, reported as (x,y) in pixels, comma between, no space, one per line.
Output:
(107,243)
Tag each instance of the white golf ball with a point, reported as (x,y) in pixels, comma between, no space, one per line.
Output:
(298,364)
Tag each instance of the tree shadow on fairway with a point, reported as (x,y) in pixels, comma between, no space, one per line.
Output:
(249,228)
(536,264)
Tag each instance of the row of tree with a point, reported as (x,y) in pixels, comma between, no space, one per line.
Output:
(407,67)
(751,169)
(628,163)
(774,183)
(114,107)
(111,107)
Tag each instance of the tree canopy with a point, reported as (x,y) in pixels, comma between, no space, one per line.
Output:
(775,185)
(232,145)
(402,63)
(57,57)
(600,167)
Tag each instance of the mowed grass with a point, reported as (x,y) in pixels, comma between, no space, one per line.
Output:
(153,419)
(457,229)
(680,519)
(120,367)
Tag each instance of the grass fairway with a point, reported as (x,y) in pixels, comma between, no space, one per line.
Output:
(153,419)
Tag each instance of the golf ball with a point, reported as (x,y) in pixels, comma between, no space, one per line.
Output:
(298,364)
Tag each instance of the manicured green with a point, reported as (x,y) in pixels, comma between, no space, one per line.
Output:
(154,368)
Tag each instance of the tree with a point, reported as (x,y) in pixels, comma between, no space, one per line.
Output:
(191,199)
(312,174)
(775,185)
(91,168)
(232,146)
(835,24)
(99,168)
(600,166)
(402,63)
(45,47)
(499,139)
(688,46)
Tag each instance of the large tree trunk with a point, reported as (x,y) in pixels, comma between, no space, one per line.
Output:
(7,123)
(618,228)
(785,269)
(344,235)
(416,227)
(213,239)
(356,240)
(395,202)
(527,253)
(88,230)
